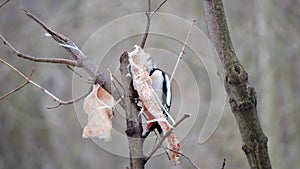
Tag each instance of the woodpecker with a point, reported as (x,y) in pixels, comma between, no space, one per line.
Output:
(162,87)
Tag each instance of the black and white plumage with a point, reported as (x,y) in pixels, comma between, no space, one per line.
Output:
(162,87)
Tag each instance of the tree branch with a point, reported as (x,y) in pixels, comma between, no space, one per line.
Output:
(37,59)
(158,145)
(242,96)
(112,77)
(71,101)
(149,15)
(183,48)
(134,122)
(79,75)
(183,155)
(3,3)
(28,80)
(158,7)
(18,88)
(82,61)
(147,25)
(223,164)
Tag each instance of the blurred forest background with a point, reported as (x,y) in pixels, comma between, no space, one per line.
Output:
(265,34)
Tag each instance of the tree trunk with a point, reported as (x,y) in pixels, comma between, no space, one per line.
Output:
(134,122)
(242,96)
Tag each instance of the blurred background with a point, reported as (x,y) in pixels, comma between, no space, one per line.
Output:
(266,37)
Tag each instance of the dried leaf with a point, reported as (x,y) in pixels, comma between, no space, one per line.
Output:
(142,84)
(98,105)
(174,145)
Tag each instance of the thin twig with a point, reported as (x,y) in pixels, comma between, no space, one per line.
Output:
(223,164)
(165,136)
(112,77)
(147,24)
(14,90)
(37,59)
(158,7)
(79,75)
(3,3)
(149,15)
(18,88)
(183,48)
(56,36)
(115,78)
(71,101)
(30,81)
(163,148)
(60,102)
(62,40)
(183,155)
(80,58)
(75,52)
(158,137)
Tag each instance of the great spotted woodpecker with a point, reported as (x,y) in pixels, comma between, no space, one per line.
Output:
(162,87)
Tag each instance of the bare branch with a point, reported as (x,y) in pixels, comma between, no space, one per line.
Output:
(149,14)
(158,138)
(28,80)
(113,78)
(158,145)
(79,75)
(18,88)
(183,155)
(147,25)
(62,40)
(71,101)
(82,61)
(223,164)
(3,3)
(37,59)
(56,36)
(158,7)
(14,91)
(183,48)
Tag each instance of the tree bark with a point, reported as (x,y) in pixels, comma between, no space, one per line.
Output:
(242,96)
(134,122)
